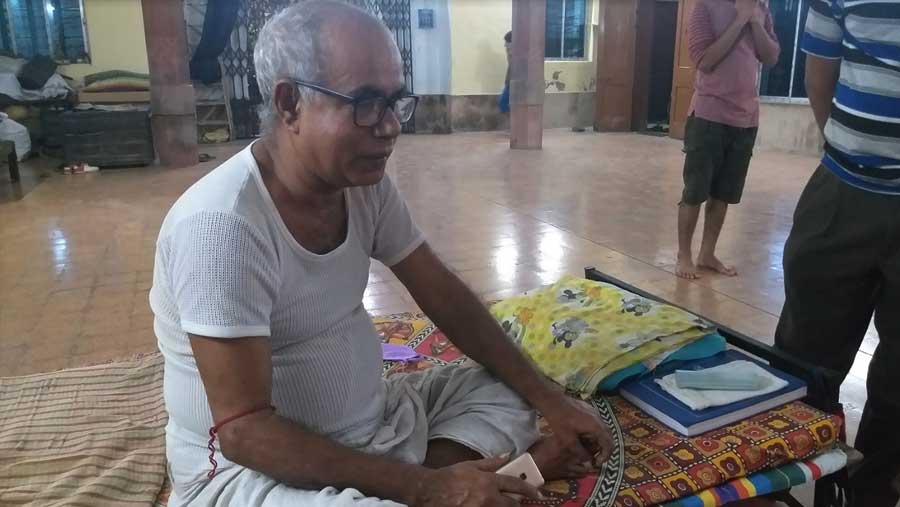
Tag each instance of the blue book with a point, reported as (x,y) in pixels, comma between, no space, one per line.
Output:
(650,397)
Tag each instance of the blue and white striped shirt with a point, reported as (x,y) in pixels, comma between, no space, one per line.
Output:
(863,133)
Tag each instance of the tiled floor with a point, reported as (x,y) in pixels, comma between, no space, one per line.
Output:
(31,174)
(76,253)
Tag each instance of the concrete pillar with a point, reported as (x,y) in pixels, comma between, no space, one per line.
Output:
(174,114)
(526,83)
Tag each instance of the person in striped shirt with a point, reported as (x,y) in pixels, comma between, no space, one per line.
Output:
(842,259)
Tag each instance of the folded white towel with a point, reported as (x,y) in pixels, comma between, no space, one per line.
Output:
(702,399)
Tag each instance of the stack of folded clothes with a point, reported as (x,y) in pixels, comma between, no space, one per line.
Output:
(589,335)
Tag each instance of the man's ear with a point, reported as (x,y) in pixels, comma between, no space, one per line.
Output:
(287,103)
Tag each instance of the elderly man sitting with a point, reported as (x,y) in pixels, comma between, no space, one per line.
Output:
(258,284)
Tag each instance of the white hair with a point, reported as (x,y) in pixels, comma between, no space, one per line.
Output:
(289,47)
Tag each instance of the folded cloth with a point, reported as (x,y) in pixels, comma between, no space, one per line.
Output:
(401,353)
(114,74)
(578,331)
(707,346)
(699,400)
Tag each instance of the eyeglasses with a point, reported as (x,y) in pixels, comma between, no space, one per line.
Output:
(368,111)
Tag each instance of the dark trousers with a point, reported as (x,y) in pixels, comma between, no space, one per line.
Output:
(716,159)
(841,266)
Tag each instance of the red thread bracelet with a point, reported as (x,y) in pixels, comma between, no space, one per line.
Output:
(215,430)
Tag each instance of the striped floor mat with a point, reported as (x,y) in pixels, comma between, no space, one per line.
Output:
(85,437)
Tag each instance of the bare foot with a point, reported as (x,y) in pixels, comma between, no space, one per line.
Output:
(713,263)
(554,463)
(685,268)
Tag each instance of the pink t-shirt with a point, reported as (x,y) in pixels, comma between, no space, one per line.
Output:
(729,93)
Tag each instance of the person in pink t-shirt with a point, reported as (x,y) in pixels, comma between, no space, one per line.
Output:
(727,40)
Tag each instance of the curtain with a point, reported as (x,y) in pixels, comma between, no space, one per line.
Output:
(6,47)
(217,27)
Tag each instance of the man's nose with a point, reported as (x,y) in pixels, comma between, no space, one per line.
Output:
(389,126)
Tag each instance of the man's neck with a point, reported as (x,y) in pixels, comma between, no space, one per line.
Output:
(289,182)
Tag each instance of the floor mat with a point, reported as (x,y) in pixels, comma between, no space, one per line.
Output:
(91,436)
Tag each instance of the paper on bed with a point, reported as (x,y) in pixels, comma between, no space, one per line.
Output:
(702,399)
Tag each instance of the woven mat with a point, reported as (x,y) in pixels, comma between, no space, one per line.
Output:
(89,437)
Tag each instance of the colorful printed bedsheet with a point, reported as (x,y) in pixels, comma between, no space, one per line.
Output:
(769,481)
(661,465)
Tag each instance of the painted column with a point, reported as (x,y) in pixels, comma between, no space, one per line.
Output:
(174,113)
(526,82)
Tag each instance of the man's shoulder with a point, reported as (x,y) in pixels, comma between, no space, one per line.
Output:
(228,190)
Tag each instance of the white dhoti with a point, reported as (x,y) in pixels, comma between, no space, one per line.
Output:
(462,404)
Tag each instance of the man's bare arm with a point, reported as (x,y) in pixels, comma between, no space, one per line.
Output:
(821,80)
(464,318)
(767,47)
(719,50)
(461,315)
(713,55)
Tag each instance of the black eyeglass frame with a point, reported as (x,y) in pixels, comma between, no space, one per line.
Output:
(354,101)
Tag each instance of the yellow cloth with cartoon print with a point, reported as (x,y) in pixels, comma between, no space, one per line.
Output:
(579,331)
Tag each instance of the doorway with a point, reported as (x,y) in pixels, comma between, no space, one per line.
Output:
(662,56)
(644,72)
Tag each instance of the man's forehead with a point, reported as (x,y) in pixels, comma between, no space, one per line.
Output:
(361,56)
(371,90)
(356,82)
(359,74)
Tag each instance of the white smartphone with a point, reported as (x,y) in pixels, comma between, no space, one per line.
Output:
(524,468)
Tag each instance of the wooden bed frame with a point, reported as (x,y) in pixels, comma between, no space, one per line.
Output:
(829,491)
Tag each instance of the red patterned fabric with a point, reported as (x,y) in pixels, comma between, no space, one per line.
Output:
(661,465)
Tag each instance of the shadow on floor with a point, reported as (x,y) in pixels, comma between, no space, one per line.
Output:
(32,172)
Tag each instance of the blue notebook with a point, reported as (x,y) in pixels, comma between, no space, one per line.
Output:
(652,399)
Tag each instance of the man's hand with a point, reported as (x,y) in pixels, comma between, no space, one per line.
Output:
(709,48)
(582,436)
(764,39)
(759,15)
(747,9)
(469,484)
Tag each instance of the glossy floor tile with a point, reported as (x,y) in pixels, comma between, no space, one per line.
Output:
(32,173)
(76,253)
